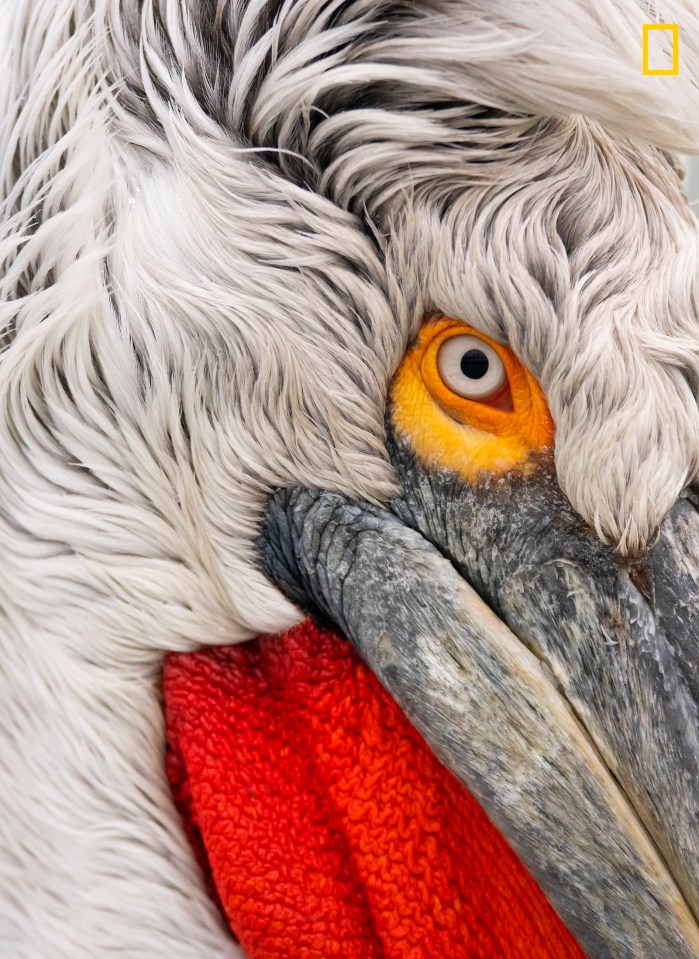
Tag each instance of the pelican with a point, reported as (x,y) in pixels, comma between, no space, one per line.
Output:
(349,435)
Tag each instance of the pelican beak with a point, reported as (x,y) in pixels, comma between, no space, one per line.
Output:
(556,678)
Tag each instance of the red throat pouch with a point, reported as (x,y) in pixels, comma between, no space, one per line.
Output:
(324,822)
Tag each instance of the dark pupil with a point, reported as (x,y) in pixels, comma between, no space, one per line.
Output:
(474,364)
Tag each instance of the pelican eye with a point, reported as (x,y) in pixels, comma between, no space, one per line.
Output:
(466,402)
(470,367)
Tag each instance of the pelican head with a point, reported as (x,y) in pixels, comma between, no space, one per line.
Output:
(385,313)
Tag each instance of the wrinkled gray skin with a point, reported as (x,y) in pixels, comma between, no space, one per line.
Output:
(577,605)
(618,639)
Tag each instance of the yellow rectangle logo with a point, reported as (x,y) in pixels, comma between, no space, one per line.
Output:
(672,28)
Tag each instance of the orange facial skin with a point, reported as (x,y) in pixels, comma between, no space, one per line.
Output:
(473,437)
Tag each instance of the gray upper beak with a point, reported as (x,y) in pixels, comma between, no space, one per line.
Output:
(571,714)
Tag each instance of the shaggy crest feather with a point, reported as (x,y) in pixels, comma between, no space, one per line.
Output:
(222,223)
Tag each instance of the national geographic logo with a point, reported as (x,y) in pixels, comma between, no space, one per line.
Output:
(661,49)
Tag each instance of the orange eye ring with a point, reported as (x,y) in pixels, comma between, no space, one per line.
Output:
(480,414)
(491,433)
